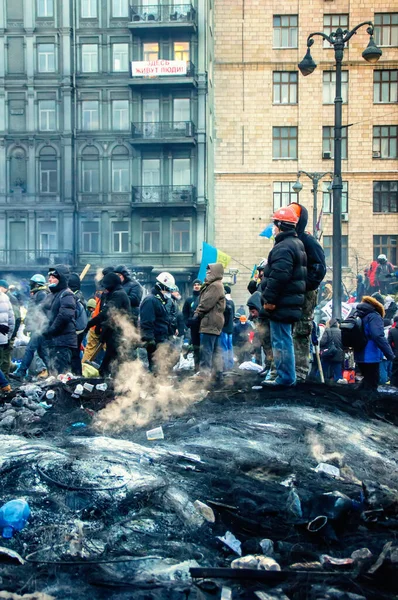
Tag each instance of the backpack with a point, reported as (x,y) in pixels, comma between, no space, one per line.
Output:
(81,317)
(352,333)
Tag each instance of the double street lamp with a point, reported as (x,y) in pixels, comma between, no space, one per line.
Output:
(315,178)
(338,39)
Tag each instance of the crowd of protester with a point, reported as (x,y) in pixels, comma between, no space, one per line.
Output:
(283,329)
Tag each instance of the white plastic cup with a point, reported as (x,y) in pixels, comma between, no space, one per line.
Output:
(50,395)
(155,434)
(79,389)
(88,386)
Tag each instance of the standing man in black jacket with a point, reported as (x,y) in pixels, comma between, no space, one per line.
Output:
(133,290)
(283,290)
(316,271)
(117,302)
(60,332)
(192,324)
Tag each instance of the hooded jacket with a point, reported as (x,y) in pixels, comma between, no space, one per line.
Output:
(133,290)
(155,319)
(372,314)
(316,263)
(285,277)
(255,301)
(211,306)
(189,307)
(116,300)
(6,318)
(393,339)
(332,336)
(60,309)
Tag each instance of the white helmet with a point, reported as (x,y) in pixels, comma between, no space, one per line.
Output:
(382,257)
(166,279)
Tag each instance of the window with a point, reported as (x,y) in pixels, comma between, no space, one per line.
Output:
(150,51)
(328,142)
(284,194)
(385,138)
(45,8)
(284,142)
(327,205)
(120,57)
(120,8)
(181,110)
(386,29)
(385,86)
(90,58)
(181,51)
(385,196)
(150,236)
(48,170)
(181,236)
(150,172)
(120,236)
(18,170)
(90,236)
(285,31)
(120,115)
(386,244)
(328,249)
(181,171)
(285,87)
(329,86)
(331,23)
(90,115)
(89,9)
(90,170)
(47,120)
(48,235)
(150,110)
(120,169)
(46,58)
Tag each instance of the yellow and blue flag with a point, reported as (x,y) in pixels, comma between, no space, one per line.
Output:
(210,254)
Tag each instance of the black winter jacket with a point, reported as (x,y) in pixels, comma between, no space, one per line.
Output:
(134,292)
(154,318)
(393,340)
(116,300)
(60,309)
(316,263)
(189,308)
(229,314)
(332,336)
(285,276)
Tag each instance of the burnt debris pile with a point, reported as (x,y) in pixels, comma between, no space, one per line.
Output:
(279,496)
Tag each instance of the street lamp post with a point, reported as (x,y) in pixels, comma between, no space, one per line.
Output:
(338,39)
(315,178)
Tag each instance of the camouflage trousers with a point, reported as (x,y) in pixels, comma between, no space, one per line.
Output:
(301,338)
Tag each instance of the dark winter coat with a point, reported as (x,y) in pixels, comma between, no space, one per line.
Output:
(229,314)
(134,292)
(255,301)
(172,309)
(316,263)
(189,308)
(285,278)
(60,309)
(210,309)
(154,318)
(372,314)
(332,337)
(393,339)
(116,301)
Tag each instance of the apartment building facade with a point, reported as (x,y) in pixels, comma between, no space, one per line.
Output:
(272,122)
(104,134)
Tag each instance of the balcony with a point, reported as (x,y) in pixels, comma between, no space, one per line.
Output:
(169,16)
(165,132)
(163,195)
(40,259)
(162,72)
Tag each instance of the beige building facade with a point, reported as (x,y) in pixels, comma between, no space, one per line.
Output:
(271,122)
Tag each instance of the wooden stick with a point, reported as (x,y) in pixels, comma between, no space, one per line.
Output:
(85,271)
(318,360)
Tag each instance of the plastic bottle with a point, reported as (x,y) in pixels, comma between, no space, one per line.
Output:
(13,516)
(102,387)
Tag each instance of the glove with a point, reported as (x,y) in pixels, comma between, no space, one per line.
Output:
(150,345)
(4,329)
(269,306)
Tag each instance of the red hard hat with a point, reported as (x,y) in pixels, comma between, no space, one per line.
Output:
(286,214)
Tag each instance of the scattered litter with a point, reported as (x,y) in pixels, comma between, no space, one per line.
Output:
(232,542)
(338,562)
(206,512)
(382,557)
(50,395)
(267,546)
(226,593)
(256,561)
(101,387)
(76,426)
(317,524)
(9,556)
(293,504)
(328,469)
(184,508)
(277,594)
(257,387)
(88,386)
(289,481)
(13,517)
(250,366)
(155,434)
(78,389)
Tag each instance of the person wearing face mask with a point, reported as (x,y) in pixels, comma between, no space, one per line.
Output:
(60,310)
(192,324)
(155,319)
(282,293)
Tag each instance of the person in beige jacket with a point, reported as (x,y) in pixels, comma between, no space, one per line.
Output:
(210,312)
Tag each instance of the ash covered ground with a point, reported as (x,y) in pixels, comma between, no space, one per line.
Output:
(113,514)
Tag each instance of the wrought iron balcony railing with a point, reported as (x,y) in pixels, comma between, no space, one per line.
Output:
(164,194)
(37,258)
(169,13)
(163,130)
